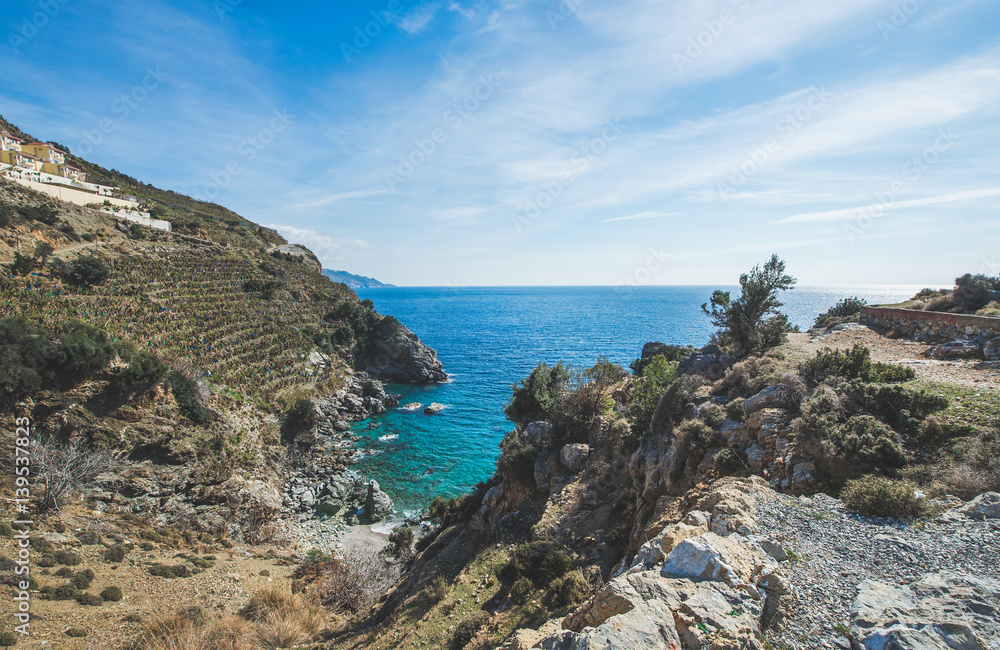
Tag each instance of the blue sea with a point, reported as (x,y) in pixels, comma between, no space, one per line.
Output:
(488,338)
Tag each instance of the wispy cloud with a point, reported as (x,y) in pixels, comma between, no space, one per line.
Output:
(643,215)
(340,196)
(876,209)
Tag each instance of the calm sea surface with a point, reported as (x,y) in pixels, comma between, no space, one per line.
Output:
(490,337)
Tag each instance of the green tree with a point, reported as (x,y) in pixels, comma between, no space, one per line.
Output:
(87,271)
(42,252)
(656,377)
(752,323)
(22,265)
(6,213)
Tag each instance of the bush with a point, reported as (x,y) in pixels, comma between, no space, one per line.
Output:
(112,594)
(185,391)
(734,409)
(467,629)
(69,558)
(657,376)
(855,363)
(541,561)
(728,462)
(44,213)
(973,292)
(6,531)
(81,581)
(569,590)
(144,371)
(76,632)
(692,440)
(64,572)
(400,541)
(522,590)
(87,271)
(355,580)
(90,600)
(536,396)
(8,639)
(752,323)
(115,553)
(846,308)
(712,415)
(868,444)
(6,214)
(302,414)
(167,571)
(65,592)
(669,353)
(877,496)
(22,265)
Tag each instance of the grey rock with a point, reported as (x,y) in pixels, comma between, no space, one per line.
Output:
(985,506)
(434,408)
(401,357)
(992,349)
(573,456)
(778,396)
(378,505)
(539,434)
(961,349)
(542,473)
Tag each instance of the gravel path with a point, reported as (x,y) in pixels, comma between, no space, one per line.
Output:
(837,550)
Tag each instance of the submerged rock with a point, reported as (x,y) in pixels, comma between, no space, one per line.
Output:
(434,408)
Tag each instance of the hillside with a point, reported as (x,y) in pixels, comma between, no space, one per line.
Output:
(354,281)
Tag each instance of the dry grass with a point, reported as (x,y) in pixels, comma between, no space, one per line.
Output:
(271,619)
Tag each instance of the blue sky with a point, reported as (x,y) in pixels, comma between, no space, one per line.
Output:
(519,142)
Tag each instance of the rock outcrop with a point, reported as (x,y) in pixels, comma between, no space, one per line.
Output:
(400,356)
(698,584)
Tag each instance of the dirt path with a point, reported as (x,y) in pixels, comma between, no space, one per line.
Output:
(907,353)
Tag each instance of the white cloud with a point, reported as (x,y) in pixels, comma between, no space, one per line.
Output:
(643,215)
(876,209)
(340,196)
(331,251)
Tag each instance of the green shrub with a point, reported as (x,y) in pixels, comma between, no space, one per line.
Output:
(734,409)
(877,496)
(728,462)
(44,213)
(668,353)
(400,541)
(302,414)
(657,376)
(533,398)
(973,292)
(541,561)
(112,594)
(467,629)
(846,308)
(569,590)
(855,363)
(76,632)
(712,414)
(115,553)
(6,531)
(64,572)
(7,639)
(6,214)
(437,589)
(868,444)
(22,264)
(91,600)
(144,371)
(87,271)
(185,391)
(693,439)
(522,590)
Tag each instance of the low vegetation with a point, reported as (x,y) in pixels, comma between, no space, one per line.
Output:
(878,496)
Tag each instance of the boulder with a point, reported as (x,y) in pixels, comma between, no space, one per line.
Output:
(706,365)
(573,456)
(412,406)
(543,473)
(778,396)
(539,434)
(378,505)
(961,349)
(711,557)
(992,349)
(985,506)
(940,610)
(434,408)
(341,426)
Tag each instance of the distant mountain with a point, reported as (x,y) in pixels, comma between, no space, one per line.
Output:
(354,281)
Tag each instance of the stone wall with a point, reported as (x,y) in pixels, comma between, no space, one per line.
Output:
(932,326)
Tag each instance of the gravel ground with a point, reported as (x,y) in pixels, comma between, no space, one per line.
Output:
(837,550)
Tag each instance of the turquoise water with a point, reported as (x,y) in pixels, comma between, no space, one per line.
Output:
(490,337)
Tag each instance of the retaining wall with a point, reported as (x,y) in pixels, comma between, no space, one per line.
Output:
(932,325)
